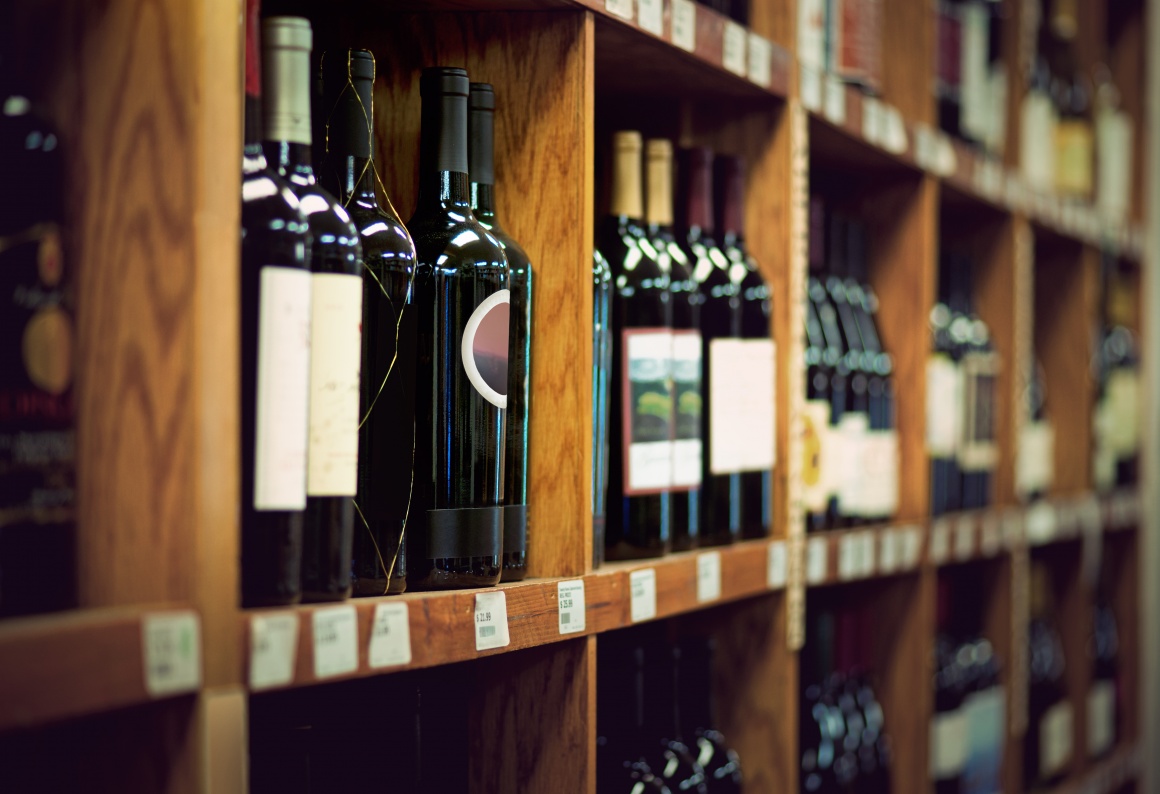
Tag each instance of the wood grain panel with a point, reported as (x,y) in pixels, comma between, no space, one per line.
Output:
(533,723)
(541,67)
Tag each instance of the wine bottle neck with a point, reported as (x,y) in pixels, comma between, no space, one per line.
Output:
(483,203)
(443,148)
(290,158)
(697,188)
(253,105)
(626,188)
(732,200)
(286,62)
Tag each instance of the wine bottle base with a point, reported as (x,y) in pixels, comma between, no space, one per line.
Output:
(444,580)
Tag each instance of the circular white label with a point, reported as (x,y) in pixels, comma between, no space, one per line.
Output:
(485,348)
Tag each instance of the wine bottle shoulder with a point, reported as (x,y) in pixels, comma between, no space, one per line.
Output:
(334,246)
(273,226)
(386,244)
(455,242)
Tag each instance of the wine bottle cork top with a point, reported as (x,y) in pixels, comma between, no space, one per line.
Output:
(482,97)
(659,148)
(446,80)
(626,140)
(288,33)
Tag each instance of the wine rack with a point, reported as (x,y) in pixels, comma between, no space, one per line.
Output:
(148,98)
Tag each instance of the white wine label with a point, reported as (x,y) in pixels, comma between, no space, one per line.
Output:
(390,644)
(948,744)
(811,37)
(570,598)
(733,49)
(944,403)
(650,15)
(491,621)
(974,77)
(1055,739)
(776,566)
(889,541)
(1113,162)
(335,641)
(964,538)
(283,381)
(648,407)
(986,715)
(335,358)
(643,587)
(484,348)
(273,649)
(171,644)
(851,432)
(816,486)
(1037,131)
(1101,717)
(811,88)
(978,450)
(687,450)
(910,547)
(685,24)
(940,541)
(760,61)
(742,408)
(1035,458)
(708,576)
(1122,395)
(879,493)
(817,560)
(620,8)
(835,109)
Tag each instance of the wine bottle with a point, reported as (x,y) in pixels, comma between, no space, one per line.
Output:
(386,441)
(720,319)
(481,162)
(826,377)
(943,400)
(461,288)
(620,761)
(978,453)
(696,723)
(640,467)
(601,374)
(948,727)
(756,313)
(1047,747)
(275,337)
(336,314)
(687,346)
(37,409)
(671,759)
(1103,696)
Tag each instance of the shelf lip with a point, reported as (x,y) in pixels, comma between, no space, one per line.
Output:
(1105,776)
(72,664)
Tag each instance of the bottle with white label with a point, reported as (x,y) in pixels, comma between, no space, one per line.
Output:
(1103,697)
(642,410)
(948,729)
(943,410)
(389,322)
(481,156)
(336,314)
(1034,461)
(756,318)
(687,359)
(1047,748)
(275,356)
(461,289)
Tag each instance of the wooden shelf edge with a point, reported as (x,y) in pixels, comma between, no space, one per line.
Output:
(1106,776)
(77,663)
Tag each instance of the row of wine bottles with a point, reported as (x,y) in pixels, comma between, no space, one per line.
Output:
(656,724)
(850,443)
(684,360)
(384,367)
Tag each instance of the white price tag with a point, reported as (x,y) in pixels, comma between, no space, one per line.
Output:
(964,538)
(570,597)
(849,557)
(888,550)
(777,565)
(733,49)
(940,541)
(873,121)
(335,641)
(924,147)
(990,535)
(811,88)
(620,8)
(171,643)
(390,636)
(835,109)
(491,621)
(945,161)
(894,134)
(650,15)
(868,555)
(685,24)
(910,547)
(708,576)
(760,61)
(643,587)
(1040,524)
(273,649)
(1012,528)
(817,560)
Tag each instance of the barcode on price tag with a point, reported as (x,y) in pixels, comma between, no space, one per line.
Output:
(817,560)
(733,49)
(390,636)
(685,24)
(708,576)
(491,621)
(335,641)
(621,8)
(760,60)
(777,565)
(643,587)
(273,650)
(570,597)
(650,16)
(171,643)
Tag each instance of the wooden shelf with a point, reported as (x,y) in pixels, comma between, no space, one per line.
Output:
(1106,776)
(71,664)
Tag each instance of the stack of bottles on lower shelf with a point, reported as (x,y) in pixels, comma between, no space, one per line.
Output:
(968,731)
(384,367)
(850,442)
(656,728)
(843,741)
(961,394)
(683,360)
